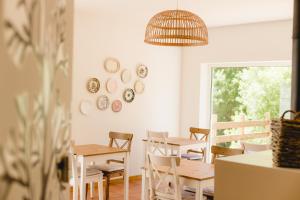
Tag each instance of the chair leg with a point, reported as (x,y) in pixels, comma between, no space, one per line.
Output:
(86,190)
(91,189)
(107,187)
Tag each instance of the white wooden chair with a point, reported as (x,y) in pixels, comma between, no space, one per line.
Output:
(250,147)
(157,143)
(165,185)
(92,176)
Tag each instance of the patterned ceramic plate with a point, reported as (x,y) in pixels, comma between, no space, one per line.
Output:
(103,102)
(128,95)
(139,87)
(125,76)
(111,65)
(142,71)
(85,107)
(116,106)
(93,85)
(111,85)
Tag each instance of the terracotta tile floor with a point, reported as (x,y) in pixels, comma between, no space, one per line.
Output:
(117,189)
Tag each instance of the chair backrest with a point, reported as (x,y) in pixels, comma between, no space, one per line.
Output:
(249,147)
(157,143)
(163,179)
(218,151)
(120,140)
(199,133)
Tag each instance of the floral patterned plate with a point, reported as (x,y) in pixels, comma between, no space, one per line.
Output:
(125,76)
(116,106)
(103,102)
(111,65)
(93,85)
(142,71)
(111,85)
(85,107)
(128,95)
(139,87)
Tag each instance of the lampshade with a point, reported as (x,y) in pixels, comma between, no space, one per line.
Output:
(176,28)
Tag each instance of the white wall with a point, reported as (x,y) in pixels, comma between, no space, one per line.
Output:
(253,42)
(99,32)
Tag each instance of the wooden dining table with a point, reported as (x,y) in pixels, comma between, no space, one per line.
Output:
(94,153)
(177,145)
(195,174)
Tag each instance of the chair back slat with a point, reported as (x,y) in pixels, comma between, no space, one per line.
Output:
(199,133)
(218,151)
(157,143)
(120,140)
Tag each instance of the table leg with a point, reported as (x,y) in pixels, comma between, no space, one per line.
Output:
(82,178)
(126,176)
(199,191)
(179,152)
(75,177)
(100,186)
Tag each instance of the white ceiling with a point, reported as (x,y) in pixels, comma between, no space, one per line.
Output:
(213,12)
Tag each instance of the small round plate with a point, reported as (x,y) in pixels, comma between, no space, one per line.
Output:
(111,65)
(128,95)
(93,85)
(139,87)
(126,76)
(102,102)
(85,107)
(116,106)
(111,85)
(142,71)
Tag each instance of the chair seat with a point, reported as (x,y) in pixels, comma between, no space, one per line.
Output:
(209,191)
(108,167)
(187,195)
(191,156)
(89,171)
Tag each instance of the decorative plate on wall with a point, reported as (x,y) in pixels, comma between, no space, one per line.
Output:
(93,85)
(111,65)
(139,87)
(128,95)
(125,76)
(142,71)
(111,85)
(102,102)
(116,106)
(85,107)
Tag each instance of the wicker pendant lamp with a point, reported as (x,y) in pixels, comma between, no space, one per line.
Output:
(176,28)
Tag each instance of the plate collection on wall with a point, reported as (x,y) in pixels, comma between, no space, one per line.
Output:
(112,87)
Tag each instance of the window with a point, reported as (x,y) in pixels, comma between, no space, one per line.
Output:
(251,90)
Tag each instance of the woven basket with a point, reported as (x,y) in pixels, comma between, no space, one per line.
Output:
(286,141)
